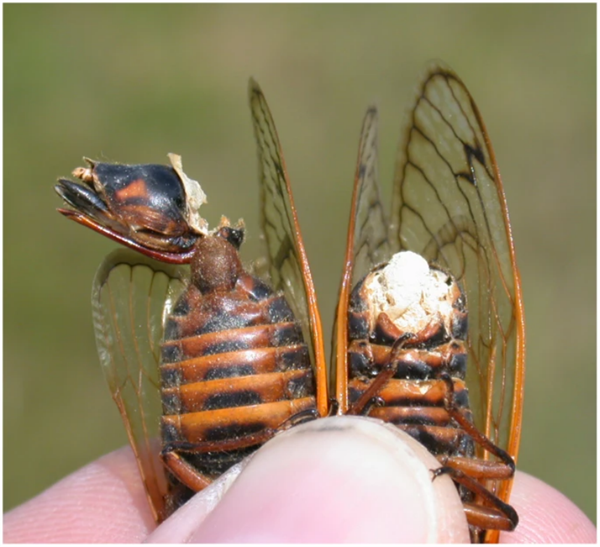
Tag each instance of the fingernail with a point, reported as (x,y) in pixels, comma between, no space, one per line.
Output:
(338,480)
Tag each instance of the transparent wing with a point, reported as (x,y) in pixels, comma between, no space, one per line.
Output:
(130,298)
(449,206)
(367,243)
(368,226)
(288,264)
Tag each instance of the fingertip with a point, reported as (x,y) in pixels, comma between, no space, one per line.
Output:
(103,502)
(342,479)
(546,515)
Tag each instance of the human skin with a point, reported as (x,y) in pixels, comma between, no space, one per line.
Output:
(336,480)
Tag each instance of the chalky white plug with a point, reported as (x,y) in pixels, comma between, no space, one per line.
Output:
(409,292)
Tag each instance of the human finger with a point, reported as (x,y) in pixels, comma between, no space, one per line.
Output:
(103,502)
(546,515)
(342,479)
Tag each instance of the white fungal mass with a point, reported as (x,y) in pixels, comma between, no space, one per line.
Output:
(409,292)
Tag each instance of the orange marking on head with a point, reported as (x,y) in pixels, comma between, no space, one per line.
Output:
(136,189)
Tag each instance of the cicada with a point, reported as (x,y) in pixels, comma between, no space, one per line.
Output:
(429,324)
(231,359)
(428,331)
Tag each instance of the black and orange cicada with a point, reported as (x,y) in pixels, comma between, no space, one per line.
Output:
(429,329)
(223,360)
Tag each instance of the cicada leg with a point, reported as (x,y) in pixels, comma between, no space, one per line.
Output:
(307,415)
(466,471)
(185,473)
(366,401)
(334,407)
(500,516)
(370,397)
(457,415)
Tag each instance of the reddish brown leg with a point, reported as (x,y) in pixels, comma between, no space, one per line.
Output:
(307,415)
(488,518)
(456,414)
(500,516)
(465,471)
(376,401)
(185,473)
(479,469)
(369,397)
(366,400)
(334,407)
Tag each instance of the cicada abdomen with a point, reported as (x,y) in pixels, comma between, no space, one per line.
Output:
(409,319)
(430,333)
(239,359)
(234,369)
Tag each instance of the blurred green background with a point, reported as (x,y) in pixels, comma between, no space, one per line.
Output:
(131,83)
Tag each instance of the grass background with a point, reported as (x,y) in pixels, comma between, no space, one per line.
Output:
(130,83)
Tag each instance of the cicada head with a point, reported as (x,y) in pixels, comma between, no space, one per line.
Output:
(150,208)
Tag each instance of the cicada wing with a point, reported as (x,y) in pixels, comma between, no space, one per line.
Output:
(288,267)
(449,206)
(366,245)
(130,298)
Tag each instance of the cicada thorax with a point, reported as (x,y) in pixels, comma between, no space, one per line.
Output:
(235,367)
(417,331)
